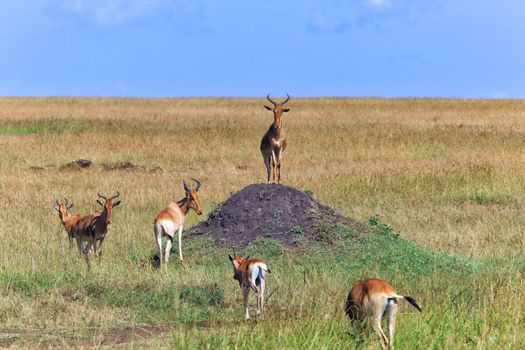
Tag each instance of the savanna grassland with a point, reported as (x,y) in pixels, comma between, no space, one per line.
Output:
(439,182)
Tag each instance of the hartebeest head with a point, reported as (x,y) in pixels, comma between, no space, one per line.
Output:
(192,197)
(62,208)
(236,262)
(108,205)
(277,110)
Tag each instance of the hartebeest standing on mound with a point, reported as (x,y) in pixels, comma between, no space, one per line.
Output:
(369,300)
(92,229)
(68,221)
(250,273)
(273,142)
(171,219)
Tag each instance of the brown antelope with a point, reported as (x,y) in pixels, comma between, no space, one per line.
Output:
(92,229)
(68,221)
(171,219)
(273,142)
(250,274)
(371,299)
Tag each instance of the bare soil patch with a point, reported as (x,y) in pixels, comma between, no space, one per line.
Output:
(53,339)
(34,338)
(86,165)
(272,211)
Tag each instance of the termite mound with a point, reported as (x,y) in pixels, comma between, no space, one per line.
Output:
(271,211)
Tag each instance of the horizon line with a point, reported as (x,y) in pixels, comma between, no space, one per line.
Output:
(255,97)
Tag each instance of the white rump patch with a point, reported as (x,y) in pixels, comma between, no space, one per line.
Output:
(169,227)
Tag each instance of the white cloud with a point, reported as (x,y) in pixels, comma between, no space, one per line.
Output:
(321,22)
(115,12)
(379,3)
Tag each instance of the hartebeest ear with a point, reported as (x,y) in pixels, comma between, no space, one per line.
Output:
(116,203)
(286,110)
(100,203)
(229,256)
(268,108)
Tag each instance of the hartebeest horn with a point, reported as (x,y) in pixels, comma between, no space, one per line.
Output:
(198,184)
(186,188)
(115,195)
(287,98)
(269,99)
(57,205)
(68,204)
(101,196)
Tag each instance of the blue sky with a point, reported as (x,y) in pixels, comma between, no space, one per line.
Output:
(170,48)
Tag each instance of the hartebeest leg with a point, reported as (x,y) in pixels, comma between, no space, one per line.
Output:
(258,305)
(157,230)
(169,244)
(100,249)
(70,243)
(267,163)
(260,291)
(257,296)
(273,167)
(94,245)
(246,292)
(79,246)
(261,296)
(86,250)
(280,153)
(376,324)
(180,243)
(278,171)
(392,324)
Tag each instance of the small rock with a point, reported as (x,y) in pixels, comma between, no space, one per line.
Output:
(82,163)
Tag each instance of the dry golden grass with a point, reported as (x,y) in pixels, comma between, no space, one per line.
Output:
(447,174)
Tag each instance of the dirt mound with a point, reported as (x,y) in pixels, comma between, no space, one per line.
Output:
(272,211)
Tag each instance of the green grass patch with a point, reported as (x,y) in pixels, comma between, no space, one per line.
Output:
(484,196)
(264,248)
(45,127)
(30,283)
(207,295)
(480,196)
(384,252)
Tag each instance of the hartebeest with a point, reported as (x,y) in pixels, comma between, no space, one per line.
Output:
(68,221)
(250,273)
(171,219)
(369,300)
(92,229)
(273,142)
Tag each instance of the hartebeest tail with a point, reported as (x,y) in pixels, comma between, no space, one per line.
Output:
(92,229)
(68,221)
(371,299)
(171,219)
(250,273)
(273,142)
